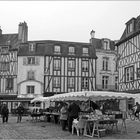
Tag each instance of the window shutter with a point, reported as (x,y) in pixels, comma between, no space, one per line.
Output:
(24,61)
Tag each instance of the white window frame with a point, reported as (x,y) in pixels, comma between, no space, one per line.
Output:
(85,83)
(31,60)
(57,64)
(30,89)
(71,64)
(57,49)
(56,82)
(71,82)
(85,65)
(105,81)
(9,84)
(105,63)
(71,50)
(31,47)
(85,51)
(4,66)
(129,74)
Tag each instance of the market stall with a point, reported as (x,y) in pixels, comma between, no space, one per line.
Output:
(110,117)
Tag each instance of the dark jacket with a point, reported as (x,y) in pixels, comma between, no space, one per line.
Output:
(73,110)
(20,110)
(4,111)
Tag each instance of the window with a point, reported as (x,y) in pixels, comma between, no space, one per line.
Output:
(71,50)
(56,64)
(106,45)
(71,82)
(105,82)
(30,89)
(57,49)
(130,27)
(4,50)
(129,74)
(31,47)
(71,64)
(85,51)
(84,65)
(30,75)
(9,83)
(116,82)
(105,63)
(85,83)
(30,60)
(4,66)
(56,82)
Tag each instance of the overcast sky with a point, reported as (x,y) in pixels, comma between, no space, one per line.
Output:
(68,20)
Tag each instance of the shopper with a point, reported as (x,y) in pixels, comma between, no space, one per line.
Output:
(4,113)
(64,116)
(20,111)
(73,113)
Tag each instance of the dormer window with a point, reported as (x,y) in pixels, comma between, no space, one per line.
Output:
(57,49)
(71,50)
(106,44)
(85,51)
(31,47)
(130,27)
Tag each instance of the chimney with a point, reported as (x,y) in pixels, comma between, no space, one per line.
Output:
(92,34)
(0,31)
(23,32)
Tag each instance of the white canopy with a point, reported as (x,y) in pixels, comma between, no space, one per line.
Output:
(39,99)
(92,95)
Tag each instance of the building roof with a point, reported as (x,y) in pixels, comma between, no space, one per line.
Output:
(125,36)
(46,47)
(9,39)
(98,44)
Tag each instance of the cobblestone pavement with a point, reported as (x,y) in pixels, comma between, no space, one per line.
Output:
(44,130)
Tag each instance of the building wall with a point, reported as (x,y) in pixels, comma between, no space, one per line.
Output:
(22,76)
(129,56)
(11,59)
(64,74)
(111,72)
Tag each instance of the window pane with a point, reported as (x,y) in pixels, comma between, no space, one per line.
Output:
(71,64)
(84,65)
(71,50)
(85,51)
(9,83)
(56,82)
(57,49)
(30,89)
(56,64)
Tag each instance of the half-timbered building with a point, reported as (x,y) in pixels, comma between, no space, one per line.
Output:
(51,67)
(129,57)
(8,65)
(69,67)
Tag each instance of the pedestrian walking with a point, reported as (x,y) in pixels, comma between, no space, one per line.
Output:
(73,113)
(20,111)
(64,116)
(4,113)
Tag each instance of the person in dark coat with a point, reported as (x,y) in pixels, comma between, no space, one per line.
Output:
(73,113)
(20,111)
(64,116)
(4,113)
